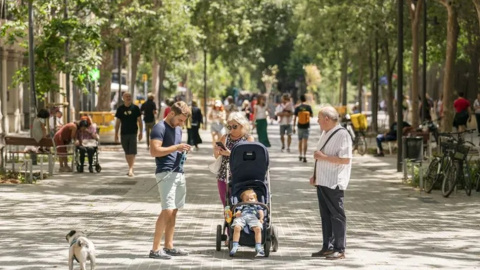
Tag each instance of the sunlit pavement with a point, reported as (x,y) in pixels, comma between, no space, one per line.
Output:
(390,224)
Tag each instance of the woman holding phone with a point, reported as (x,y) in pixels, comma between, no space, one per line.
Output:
(238,128)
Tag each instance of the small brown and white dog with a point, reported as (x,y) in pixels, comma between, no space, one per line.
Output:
(81,249)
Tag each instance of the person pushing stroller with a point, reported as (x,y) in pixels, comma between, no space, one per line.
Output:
(246,215)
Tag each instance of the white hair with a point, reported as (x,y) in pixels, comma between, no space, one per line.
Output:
(240,118)
(330,112)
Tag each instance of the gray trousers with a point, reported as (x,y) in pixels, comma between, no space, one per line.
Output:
(334,222)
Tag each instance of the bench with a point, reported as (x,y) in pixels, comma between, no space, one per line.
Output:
(15,145)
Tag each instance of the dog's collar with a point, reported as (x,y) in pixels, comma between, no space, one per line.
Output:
(74,241)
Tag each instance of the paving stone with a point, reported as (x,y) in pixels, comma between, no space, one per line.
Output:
(389,224)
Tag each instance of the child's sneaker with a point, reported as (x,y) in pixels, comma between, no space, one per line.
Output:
(260,253)
(233,251)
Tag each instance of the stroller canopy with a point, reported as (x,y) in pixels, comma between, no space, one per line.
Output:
(248,161)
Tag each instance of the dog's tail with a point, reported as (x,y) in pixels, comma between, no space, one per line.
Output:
(82,243)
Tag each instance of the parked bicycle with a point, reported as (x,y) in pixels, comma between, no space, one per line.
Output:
(356,127)
(452,166)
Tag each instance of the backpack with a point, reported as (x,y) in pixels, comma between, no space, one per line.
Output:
(303,117)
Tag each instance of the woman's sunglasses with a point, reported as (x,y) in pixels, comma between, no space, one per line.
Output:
(230,127)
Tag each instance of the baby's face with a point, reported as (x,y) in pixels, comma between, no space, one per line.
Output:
(249,198)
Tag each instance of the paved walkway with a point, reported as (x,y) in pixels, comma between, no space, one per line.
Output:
(390,225)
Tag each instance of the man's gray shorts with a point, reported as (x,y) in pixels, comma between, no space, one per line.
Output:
(303,133)
(285,129)
(250,219)
(129,144)
(172,189)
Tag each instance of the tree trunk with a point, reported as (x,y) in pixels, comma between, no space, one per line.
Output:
(415,12)
(373,101)
(104,92)
(344,70)
(360,85)
(448,76)
(477,7)
(133,75)
(161,77)
(390,96)
(154,85)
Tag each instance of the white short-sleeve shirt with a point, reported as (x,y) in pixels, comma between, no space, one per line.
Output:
(330,174)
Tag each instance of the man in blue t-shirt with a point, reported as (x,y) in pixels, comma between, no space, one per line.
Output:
(167,148)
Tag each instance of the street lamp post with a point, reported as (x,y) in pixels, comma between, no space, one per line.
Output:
(424,82)
(399,84)
(31,62)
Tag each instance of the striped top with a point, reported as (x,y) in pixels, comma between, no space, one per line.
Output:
(340,145)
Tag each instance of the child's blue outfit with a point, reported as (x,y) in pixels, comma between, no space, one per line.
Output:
(248,217)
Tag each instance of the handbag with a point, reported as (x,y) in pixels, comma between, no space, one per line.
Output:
(215,166)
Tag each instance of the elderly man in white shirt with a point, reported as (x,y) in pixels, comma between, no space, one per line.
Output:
(333,164)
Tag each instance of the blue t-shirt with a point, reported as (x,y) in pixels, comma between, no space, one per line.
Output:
(249,209)
(169,136)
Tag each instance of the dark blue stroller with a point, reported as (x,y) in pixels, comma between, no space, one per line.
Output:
(249,166)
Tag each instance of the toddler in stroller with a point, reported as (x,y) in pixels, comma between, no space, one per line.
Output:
(248,190)
(246,215)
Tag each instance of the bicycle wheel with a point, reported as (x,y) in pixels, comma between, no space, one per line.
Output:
(361,145)
(467,179)
(449,180)
(432,174)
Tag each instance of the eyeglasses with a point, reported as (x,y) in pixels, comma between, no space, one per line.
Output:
(230,127)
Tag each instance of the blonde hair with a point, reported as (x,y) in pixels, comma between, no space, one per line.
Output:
(240,118)
(248,192)
(181,107)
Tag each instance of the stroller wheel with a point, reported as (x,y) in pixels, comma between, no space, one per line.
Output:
(98,168)
(268,245)
(219,238)
(274,239)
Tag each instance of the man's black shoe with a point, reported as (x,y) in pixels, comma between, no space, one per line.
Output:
(379,154)
(322,253)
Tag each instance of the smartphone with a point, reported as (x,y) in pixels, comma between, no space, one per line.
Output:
(221,145)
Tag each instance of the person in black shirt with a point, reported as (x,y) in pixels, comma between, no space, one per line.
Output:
(391,135)
(302,115)
(193,126)
(149,110)
(129,118)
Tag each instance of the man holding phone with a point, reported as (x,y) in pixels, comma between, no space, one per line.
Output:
(167,147)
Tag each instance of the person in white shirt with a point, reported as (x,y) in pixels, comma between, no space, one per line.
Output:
(333,164)
(476,107)
(284,111)
(55,122)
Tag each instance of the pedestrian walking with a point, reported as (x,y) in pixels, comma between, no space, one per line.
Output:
(260,113)
(302,113)
(238,130)
(284,112)
(217,118)
(476,107)
(193,126)
(149,110)
(169,153)
(129,118)
(333,164)
(462,113)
